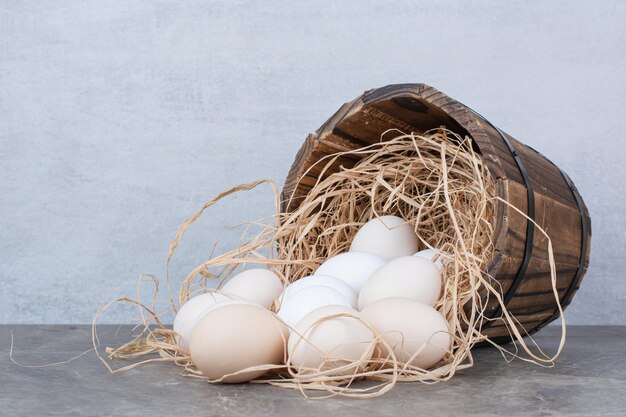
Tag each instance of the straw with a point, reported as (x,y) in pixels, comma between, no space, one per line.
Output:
(437,183)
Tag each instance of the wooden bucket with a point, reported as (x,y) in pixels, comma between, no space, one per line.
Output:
(523,177)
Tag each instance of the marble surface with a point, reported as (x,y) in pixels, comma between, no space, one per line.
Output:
(589,379)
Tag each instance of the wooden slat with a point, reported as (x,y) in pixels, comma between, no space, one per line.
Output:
(418,107)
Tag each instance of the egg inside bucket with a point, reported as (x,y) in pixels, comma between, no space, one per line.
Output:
(417,333)
(300,303)
(431,254)
(410,277)
(330,339)
(234,337)
(386,236)
(326,281)
(354,268)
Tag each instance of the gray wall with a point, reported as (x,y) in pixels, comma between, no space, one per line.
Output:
(119,119)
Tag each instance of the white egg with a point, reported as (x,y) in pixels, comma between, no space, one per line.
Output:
(430,255)
(192,311)
(323,345)
(326,281)
(354,268)
(409,327)
(387,236)
(300,303)
(410,277)
(257,285)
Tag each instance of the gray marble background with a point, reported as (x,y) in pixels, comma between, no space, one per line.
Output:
(119,119)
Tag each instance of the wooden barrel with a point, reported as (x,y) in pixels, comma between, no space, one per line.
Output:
(523,177)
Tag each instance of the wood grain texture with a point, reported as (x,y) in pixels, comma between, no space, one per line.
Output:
(418,108)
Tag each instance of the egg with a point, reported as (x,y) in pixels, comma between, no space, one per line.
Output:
(234,337)
(191,311)
(411,277)
(301,302)
(354,268)
(260,286)
(326,281)
(430,255)
(387,236)
(323,345)
(408,326)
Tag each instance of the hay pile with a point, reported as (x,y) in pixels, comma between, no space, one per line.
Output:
(435,181)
